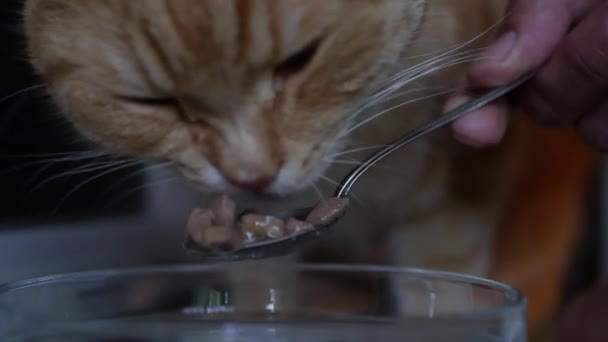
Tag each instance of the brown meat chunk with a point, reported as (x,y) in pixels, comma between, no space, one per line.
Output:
(205,233)
(295,226)
(258,227)
(327,211)
(224,209)
(199,220)
(220,238)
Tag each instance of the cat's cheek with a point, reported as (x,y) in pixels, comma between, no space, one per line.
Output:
(211,176)
(294,178)
(285,183)
(200,173)
(207,181)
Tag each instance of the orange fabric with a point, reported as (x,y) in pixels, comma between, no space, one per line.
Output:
(536,243)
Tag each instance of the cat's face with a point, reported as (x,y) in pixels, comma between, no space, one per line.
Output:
(239,94)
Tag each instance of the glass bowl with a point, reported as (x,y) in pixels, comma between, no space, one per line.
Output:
(261,302)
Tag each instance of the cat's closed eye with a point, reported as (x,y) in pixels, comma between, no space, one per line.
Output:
(289,67)
(151,101)
(298,61)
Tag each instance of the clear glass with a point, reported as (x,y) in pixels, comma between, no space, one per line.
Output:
(261,303)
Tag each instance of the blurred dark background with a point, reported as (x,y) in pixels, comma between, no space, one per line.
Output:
(64,206)
(36,145)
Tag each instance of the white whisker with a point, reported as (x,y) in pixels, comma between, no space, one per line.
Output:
(432,61)
(20,92)
(358,163)
(377,115)
(412,74)
(145,186)
(389,95)
(87,168)
(355,150)
(449,52)
(338,185)
(467,42)
(52,161)
(329,180)
(77,155)
(91,179)
(143,170)
(429,64)
(431,69)
(319,193)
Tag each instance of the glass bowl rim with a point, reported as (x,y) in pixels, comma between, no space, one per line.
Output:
(514,298)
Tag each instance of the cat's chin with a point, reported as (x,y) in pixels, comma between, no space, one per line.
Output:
(289,184)
(264,197)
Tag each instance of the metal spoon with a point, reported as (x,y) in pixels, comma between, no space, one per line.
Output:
(285,245)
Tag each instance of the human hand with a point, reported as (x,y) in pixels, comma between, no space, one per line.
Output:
(584,318)
(568,41)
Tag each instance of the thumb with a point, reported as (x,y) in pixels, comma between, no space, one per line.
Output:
(531,32)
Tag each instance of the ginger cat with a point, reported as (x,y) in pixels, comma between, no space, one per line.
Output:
(270,96)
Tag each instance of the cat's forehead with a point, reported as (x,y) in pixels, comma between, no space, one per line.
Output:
(175,46)
(244,31)
(230,44)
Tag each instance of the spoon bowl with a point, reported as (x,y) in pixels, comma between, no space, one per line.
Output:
(267,248)
(289,243)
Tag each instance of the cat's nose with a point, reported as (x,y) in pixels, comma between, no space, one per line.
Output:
(254,185)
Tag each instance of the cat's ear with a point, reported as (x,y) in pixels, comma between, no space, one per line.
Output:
(40,12)
(61,34)
(53,17)
(45,21)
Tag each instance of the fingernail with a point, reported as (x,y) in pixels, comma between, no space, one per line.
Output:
(484,127)
(454,102)
(501,49)
(467,140)
(450,104)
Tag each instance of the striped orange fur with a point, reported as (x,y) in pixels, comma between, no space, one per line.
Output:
(267,89)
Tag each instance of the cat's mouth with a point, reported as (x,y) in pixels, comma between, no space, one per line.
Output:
(274,192)
(285,181)
(266,198)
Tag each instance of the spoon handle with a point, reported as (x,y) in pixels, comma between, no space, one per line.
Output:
(348,182)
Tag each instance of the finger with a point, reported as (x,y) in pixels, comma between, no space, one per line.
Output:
(531,32)
(594,126)
(575,79)
(482,128)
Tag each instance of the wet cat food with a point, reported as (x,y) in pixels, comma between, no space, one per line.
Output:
(199,218)
(217,227)
(224,209)
(293,226)
(258,227)
(328,211)
(221,238)
(204,229)
(197,222)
